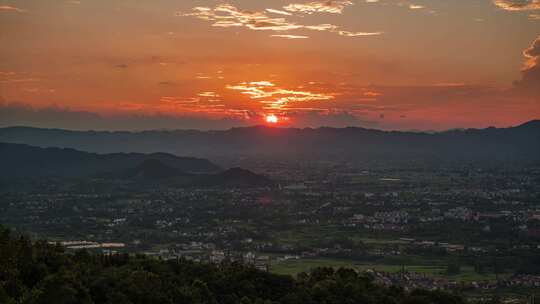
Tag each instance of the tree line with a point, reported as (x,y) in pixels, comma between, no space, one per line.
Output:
(39,272)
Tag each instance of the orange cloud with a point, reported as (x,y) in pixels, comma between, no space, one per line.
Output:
(357,34)
(273,97)
(279,12)
(531,70)
(209,94)
(8,8)
(290,36)
(406,4)
(333,7)
(226,15)
(518,5)
(322,27)
(416,6)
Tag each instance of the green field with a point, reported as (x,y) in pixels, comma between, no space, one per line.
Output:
(378,241)
(310,235)
(293,267)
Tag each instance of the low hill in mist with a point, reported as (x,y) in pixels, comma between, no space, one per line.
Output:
(235,177)
(150,169)
(153,170)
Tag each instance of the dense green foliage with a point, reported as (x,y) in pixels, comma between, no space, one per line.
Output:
(37,272)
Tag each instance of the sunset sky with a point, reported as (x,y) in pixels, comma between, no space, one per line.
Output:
(208,64)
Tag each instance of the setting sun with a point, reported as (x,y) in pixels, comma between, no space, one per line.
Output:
(272,119)
(270,72)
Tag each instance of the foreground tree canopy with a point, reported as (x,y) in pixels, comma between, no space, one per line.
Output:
(37,272)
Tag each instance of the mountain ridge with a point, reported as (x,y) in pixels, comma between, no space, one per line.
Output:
(533,123)
(22,160)
(519,143)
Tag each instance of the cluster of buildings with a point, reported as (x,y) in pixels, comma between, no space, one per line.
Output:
(207,253)
(413,280)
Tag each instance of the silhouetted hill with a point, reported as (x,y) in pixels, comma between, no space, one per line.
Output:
(235,177)
(152,169)
(530,125)
(18,160)
(521,143)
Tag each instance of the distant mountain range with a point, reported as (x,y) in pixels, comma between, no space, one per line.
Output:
(521,143)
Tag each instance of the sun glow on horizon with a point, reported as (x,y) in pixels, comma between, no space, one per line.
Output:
(272,119)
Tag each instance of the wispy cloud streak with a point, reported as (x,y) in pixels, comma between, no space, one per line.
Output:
(8,8)
(274,97)
(226,15)
(333,7)
(518,5)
